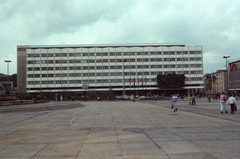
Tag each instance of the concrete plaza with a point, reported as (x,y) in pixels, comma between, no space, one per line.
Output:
(119,129)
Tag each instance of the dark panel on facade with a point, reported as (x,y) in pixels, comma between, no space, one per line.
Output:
(171,81)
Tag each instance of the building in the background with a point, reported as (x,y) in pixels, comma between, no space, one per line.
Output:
(207,84)
(234,76)
(219,81)
(10,80)
(129,68)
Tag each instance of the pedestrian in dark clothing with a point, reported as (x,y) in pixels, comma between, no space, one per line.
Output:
(232,101)
(193,99)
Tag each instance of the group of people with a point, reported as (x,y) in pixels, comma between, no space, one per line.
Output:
(59,97)
(230,101)
(191,99)
(223,101)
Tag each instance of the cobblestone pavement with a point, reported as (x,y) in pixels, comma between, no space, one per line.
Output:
(119,129)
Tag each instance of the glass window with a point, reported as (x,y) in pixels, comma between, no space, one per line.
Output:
(185,52)
(172,59)
(30,69)
(193,72)
(44,75)
(64,75)
(30,55)
(50,68)
(179,59)
(105,74)
(50,75)
(91,67)
(77,54)
(186,72)
(193,79)
(99,67)
(152,53)
(112,53)
(85,54)
(91,54)
(58,55)
(71,54)
(179,52)
(85,74)
(185,66)
(64,82)
(99,74)
(105,67)
(64,68)
(78,81)
(91,74)
(71,74)
(139,53)
(145,53)
(72,81)
(30,75)
(64,54)
(71,68)
(165,53)
(153,66)
(78,68)
(172,66)
(192,52)
(85,67)
(105,60)
(78,74)
(166,59)
(139,60)
(198,59)
(159,59)
(166,66)
(193,65)
(112,60)
(153,59)
(199,52)
(36,68)
(158,53)
(58,75)
(185,59)
(179,66)
(36,55)
(113,80)
(172,53)
(159,66)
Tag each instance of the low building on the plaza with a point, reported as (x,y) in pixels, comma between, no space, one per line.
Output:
(119,68)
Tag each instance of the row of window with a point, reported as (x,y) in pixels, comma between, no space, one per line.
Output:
(104,81)
(112,60)
(108,74)
(113,67)
(113,53)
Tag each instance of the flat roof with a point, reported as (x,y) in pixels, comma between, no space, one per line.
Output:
(104,45)
(234,61)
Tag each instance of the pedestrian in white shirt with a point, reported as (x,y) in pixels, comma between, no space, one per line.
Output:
(232,101)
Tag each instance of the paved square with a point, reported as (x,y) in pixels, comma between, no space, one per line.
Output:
(119,129)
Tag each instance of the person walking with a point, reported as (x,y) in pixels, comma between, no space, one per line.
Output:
(209,97)
(174,102)
(223,100)
(193,99)
(189,99)
(134,98)
(232,101)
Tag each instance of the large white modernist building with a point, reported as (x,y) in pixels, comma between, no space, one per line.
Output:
(120,68)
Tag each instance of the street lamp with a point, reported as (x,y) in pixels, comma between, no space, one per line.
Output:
(7,72)
(226,57)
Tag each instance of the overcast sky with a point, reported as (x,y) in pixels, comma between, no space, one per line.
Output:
(214,24)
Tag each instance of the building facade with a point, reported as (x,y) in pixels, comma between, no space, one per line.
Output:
(234,76)
(120,68)
(219,84)
(8,81)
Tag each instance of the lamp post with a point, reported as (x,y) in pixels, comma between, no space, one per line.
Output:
(7,71)
(226,57)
